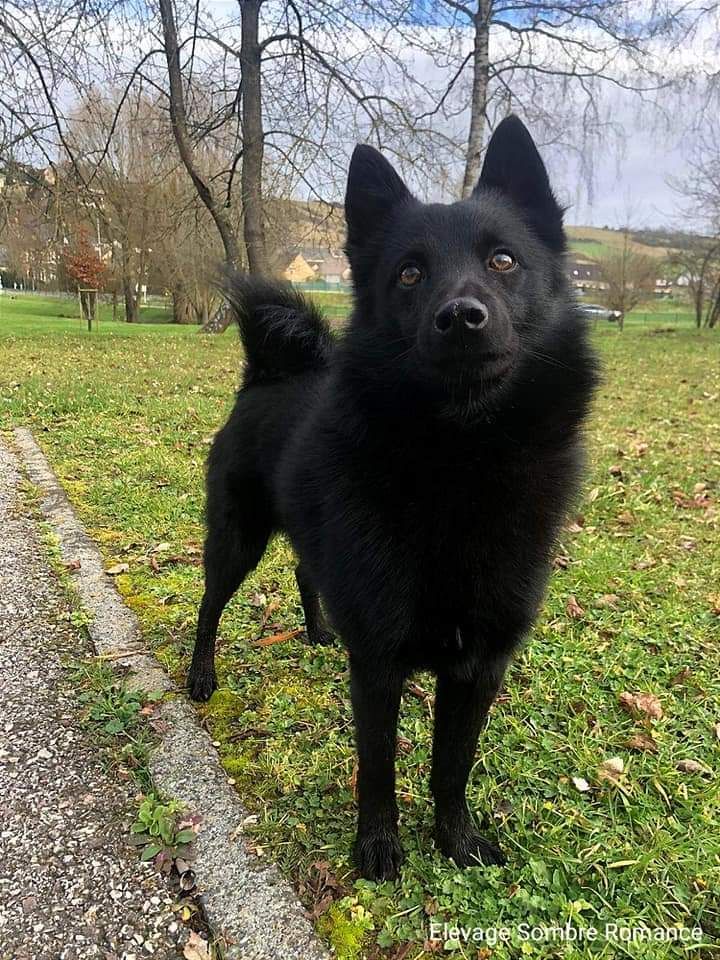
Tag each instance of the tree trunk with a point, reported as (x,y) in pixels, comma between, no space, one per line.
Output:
(699,297)
(182,307)
(131,303)
(114,305)
(478,100)
(178,118)
(219,321)
(87,307)
(713,313)
(253,139)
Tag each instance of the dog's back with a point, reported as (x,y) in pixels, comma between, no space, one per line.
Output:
(287,345)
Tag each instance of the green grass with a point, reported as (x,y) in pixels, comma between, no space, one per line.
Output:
(594,249)
(126,422)
(337,304)
(30,315)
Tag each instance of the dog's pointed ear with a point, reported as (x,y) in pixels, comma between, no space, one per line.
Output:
(514,166)
(373,189)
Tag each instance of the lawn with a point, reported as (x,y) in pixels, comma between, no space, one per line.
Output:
(31,314)
(126,416)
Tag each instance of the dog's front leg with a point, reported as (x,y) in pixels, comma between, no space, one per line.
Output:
(376,693)
(461,706)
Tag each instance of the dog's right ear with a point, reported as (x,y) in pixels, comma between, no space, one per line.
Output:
(373,189)
(514,166)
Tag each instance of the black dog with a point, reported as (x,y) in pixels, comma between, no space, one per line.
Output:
(422,465)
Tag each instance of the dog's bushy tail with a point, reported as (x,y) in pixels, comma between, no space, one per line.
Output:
(283,333)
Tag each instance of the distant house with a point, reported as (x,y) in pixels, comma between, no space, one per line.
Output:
(318,263)
(584,274)
(299,270)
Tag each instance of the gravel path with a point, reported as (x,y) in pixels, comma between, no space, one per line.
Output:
(70,885)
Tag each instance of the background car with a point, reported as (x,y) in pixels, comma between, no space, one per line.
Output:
(597,312)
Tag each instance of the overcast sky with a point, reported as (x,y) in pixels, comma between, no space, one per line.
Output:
(630,181)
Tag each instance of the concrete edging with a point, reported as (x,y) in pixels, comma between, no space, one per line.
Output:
(252,910)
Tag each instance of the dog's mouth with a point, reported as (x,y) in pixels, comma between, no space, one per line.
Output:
(482,374)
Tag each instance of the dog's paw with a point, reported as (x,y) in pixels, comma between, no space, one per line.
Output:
(201,683)
(321,636)
(378,855)
(468,848)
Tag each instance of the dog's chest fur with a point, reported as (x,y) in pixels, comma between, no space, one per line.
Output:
(453,536)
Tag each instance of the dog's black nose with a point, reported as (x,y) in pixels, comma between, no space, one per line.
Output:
(464,312)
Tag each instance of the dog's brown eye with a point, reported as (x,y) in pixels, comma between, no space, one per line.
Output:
(410,275)
(502,261)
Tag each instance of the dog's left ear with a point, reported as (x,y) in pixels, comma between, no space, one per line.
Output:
(513,165)
(373,190)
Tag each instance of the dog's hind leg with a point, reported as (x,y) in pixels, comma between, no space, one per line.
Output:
(461,706)
(231,552)
(316,625)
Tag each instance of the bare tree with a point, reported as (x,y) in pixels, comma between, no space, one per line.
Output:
(48,58)
(282,90)
(553,63)
(629,277)
(699,266)
(118,187)
(699,193)
(178,115)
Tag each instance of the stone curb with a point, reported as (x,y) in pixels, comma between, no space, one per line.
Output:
(251,909)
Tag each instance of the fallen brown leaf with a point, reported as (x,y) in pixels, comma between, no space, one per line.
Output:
(402,951)
(196,948)
(643,742)
(641,705)
(276,638)
(72,564)
(267,613)
(581,784)
(417,691)
(690,766)
(161,548)
(609,600)
(503,810)
(118,569)
(433,946)
(699,501)
(573,609)
(681,676)
(611,769)
(322,887)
